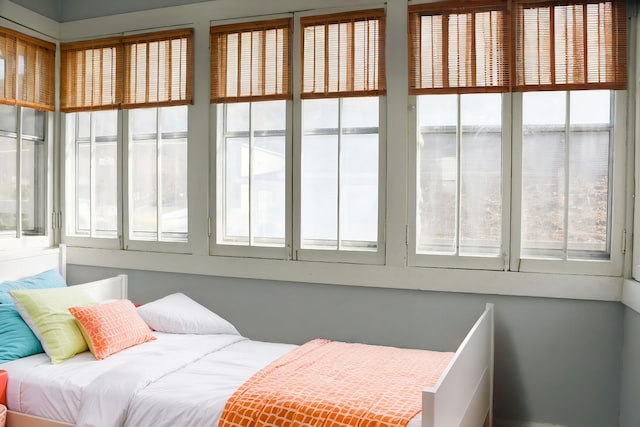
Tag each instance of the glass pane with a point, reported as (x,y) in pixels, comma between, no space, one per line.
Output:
(33,123)
(480,175)
(142,121)
(83,189)
(589,171)
(8,118)
(268,191)
(174,119)
(237,117)
(359,192)
(8,182)
(269,115)
(436,175)
(320,114)
(143,203)
(84,124)
(174,190)
(319,192)
(106,124)
(236,192)
(33,187)
(360,112)
(543,175)
(105,194)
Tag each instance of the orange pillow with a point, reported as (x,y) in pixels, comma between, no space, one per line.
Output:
(111,327)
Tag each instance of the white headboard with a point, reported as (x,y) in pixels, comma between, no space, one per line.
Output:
(22,263)
(16,264)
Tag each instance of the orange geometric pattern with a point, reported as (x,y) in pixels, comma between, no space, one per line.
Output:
(111,327)
(334,384)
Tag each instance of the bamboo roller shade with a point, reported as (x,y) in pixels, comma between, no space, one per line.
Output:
(27,71)
(146,70)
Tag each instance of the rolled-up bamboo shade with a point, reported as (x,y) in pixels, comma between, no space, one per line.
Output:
(343,54)
(27,67)
(251,61)
(91,75)
(570,45)
(158,69)
(145,70)
(457,47)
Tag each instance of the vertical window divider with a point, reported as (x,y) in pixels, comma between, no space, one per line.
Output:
(567,173)
(458,171)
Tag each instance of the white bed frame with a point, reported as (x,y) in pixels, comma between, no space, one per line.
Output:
(463,396)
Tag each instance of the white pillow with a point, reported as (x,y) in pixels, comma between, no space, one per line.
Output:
(179,314)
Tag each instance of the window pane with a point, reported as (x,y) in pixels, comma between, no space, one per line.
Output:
(83,191)
(142,121)
(174,189)
(480,175)
(106,124)
(106,189)
(174,119)
(236,191)
(359,191)
(320,114)
(33,191)
(269,115)
(33,123)
(437,168)
(268,191)
(8,119)
(319,192)
(144,191)
(8,182)
(237,117)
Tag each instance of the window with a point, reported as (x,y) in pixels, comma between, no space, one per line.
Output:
(250,83)
(92,174)
(26,94)
(158,174)
(343,81)
(560,139)
(149,76)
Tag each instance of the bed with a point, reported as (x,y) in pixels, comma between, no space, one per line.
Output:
(151,389)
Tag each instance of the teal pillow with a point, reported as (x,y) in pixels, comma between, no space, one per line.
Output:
(46,279)
(16,338)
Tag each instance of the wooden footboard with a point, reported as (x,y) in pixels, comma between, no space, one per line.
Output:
(464,394)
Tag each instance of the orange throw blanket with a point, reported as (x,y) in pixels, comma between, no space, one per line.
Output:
(335,384)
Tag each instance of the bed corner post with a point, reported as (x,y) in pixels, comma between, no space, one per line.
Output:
(490,309)
(62,260)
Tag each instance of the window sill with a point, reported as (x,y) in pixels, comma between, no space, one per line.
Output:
(600,288)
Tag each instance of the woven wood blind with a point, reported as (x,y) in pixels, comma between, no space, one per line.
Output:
(570,45)
(251,61)
(27,71)
(158,69)
(457,47)
(147,70)
(343,54)
(91,75)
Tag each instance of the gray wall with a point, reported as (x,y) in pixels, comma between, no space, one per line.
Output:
(49,8)
(630,391)
(557,361)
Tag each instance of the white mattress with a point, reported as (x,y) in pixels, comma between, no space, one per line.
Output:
(140,386)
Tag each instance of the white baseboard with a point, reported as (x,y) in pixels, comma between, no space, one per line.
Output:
(513,423)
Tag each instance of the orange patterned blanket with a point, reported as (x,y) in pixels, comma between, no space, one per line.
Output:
(328,383)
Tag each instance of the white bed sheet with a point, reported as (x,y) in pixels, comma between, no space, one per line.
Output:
(139,387)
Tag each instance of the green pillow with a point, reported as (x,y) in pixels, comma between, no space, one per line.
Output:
(46,311)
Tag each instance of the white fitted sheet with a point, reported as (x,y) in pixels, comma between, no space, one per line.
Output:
(141,386)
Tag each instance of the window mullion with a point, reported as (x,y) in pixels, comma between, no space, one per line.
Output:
(339,180)
(158,178)
(19,172)
(567,175)
(458,172)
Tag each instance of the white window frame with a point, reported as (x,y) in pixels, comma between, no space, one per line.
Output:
(616,227)
(216,222)
(125,170)
(68,160)
(16,240)
(499,262)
